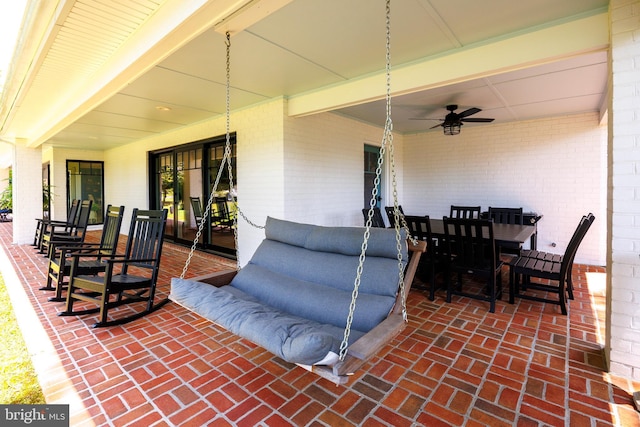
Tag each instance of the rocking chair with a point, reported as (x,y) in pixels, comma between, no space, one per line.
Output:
(73,233)
(128,278)
(59,251)
(43,225)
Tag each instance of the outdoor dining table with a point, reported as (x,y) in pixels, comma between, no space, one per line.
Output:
(506,235)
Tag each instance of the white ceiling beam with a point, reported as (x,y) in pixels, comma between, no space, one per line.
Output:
(538,47)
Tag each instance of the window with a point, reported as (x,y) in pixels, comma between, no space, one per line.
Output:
(85,181)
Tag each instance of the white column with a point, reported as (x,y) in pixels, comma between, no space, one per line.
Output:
(623,252)
(27,192)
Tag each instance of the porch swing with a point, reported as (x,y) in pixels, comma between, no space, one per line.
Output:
(327,299)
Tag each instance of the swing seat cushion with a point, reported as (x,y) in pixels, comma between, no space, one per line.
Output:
(293,296)
(291,338)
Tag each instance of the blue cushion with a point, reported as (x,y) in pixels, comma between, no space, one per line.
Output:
(379,275)
(292,338)
(312,301)
(343,240)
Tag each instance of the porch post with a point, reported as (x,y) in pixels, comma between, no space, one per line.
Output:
(622,345)
(27,192)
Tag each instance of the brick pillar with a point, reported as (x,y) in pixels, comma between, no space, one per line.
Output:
(623,204)
(27,192)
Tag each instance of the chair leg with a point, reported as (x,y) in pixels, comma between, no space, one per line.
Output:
(512,286)
(432,284)
(492,293)
(59,286)
(562,297)
(48,286)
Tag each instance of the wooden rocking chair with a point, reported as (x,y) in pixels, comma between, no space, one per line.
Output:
(128,278)
(59,251)
(43,225)
(73,233)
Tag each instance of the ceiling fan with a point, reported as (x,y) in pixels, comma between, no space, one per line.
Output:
(453,121)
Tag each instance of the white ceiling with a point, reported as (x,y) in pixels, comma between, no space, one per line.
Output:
(310,45)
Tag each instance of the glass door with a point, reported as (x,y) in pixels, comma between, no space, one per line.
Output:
(179,180)
(188,191)
(164,183)
(371,155)
(223,208)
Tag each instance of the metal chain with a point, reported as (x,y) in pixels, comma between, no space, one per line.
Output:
(225,159)
(387,139)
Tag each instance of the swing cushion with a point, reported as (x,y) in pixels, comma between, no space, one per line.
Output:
(293,296)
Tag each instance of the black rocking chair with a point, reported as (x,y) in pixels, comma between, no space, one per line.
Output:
(59,251)
(128,279)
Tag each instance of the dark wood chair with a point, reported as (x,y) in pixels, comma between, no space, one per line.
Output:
(376,220)
(129,278)
(74,233)
(220,216)
(391,215)
(433,259)
(507,216)
(59,254)
(464,212)
(196,208)
(550,267)
(472,248)
(43,224)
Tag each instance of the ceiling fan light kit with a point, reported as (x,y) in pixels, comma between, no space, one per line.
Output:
(451,128)
(452,122)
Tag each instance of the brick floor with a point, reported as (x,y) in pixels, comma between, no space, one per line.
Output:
(455,364)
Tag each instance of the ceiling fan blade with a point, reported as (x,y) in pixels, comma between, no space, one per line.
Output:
(469,112)
(433,127)
(416,118)
(477,119)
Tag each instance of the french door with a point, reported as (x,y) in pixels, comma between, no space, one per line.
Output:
(178,181)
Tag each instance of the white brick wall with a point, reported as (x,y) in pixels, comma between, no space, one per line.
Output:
(554,166)
(324,157)
(623,266)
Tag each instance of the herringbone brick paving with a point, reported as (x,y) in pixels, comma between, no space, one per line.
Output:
(455,364)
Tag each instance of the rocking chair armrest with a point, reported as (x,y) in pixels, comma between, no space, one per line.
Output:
(119,259)
(51,221)
(81,249)
(68,240)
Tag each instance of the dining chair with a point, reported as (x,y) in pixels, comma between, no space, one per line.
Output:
(466,212)
(550,267)
(507,216)
(391,214)
(432,260)
(376,220)
(473,251)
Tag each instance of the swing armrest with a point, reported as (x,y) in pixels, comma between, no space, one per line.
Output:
(370,344)
(217,279)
